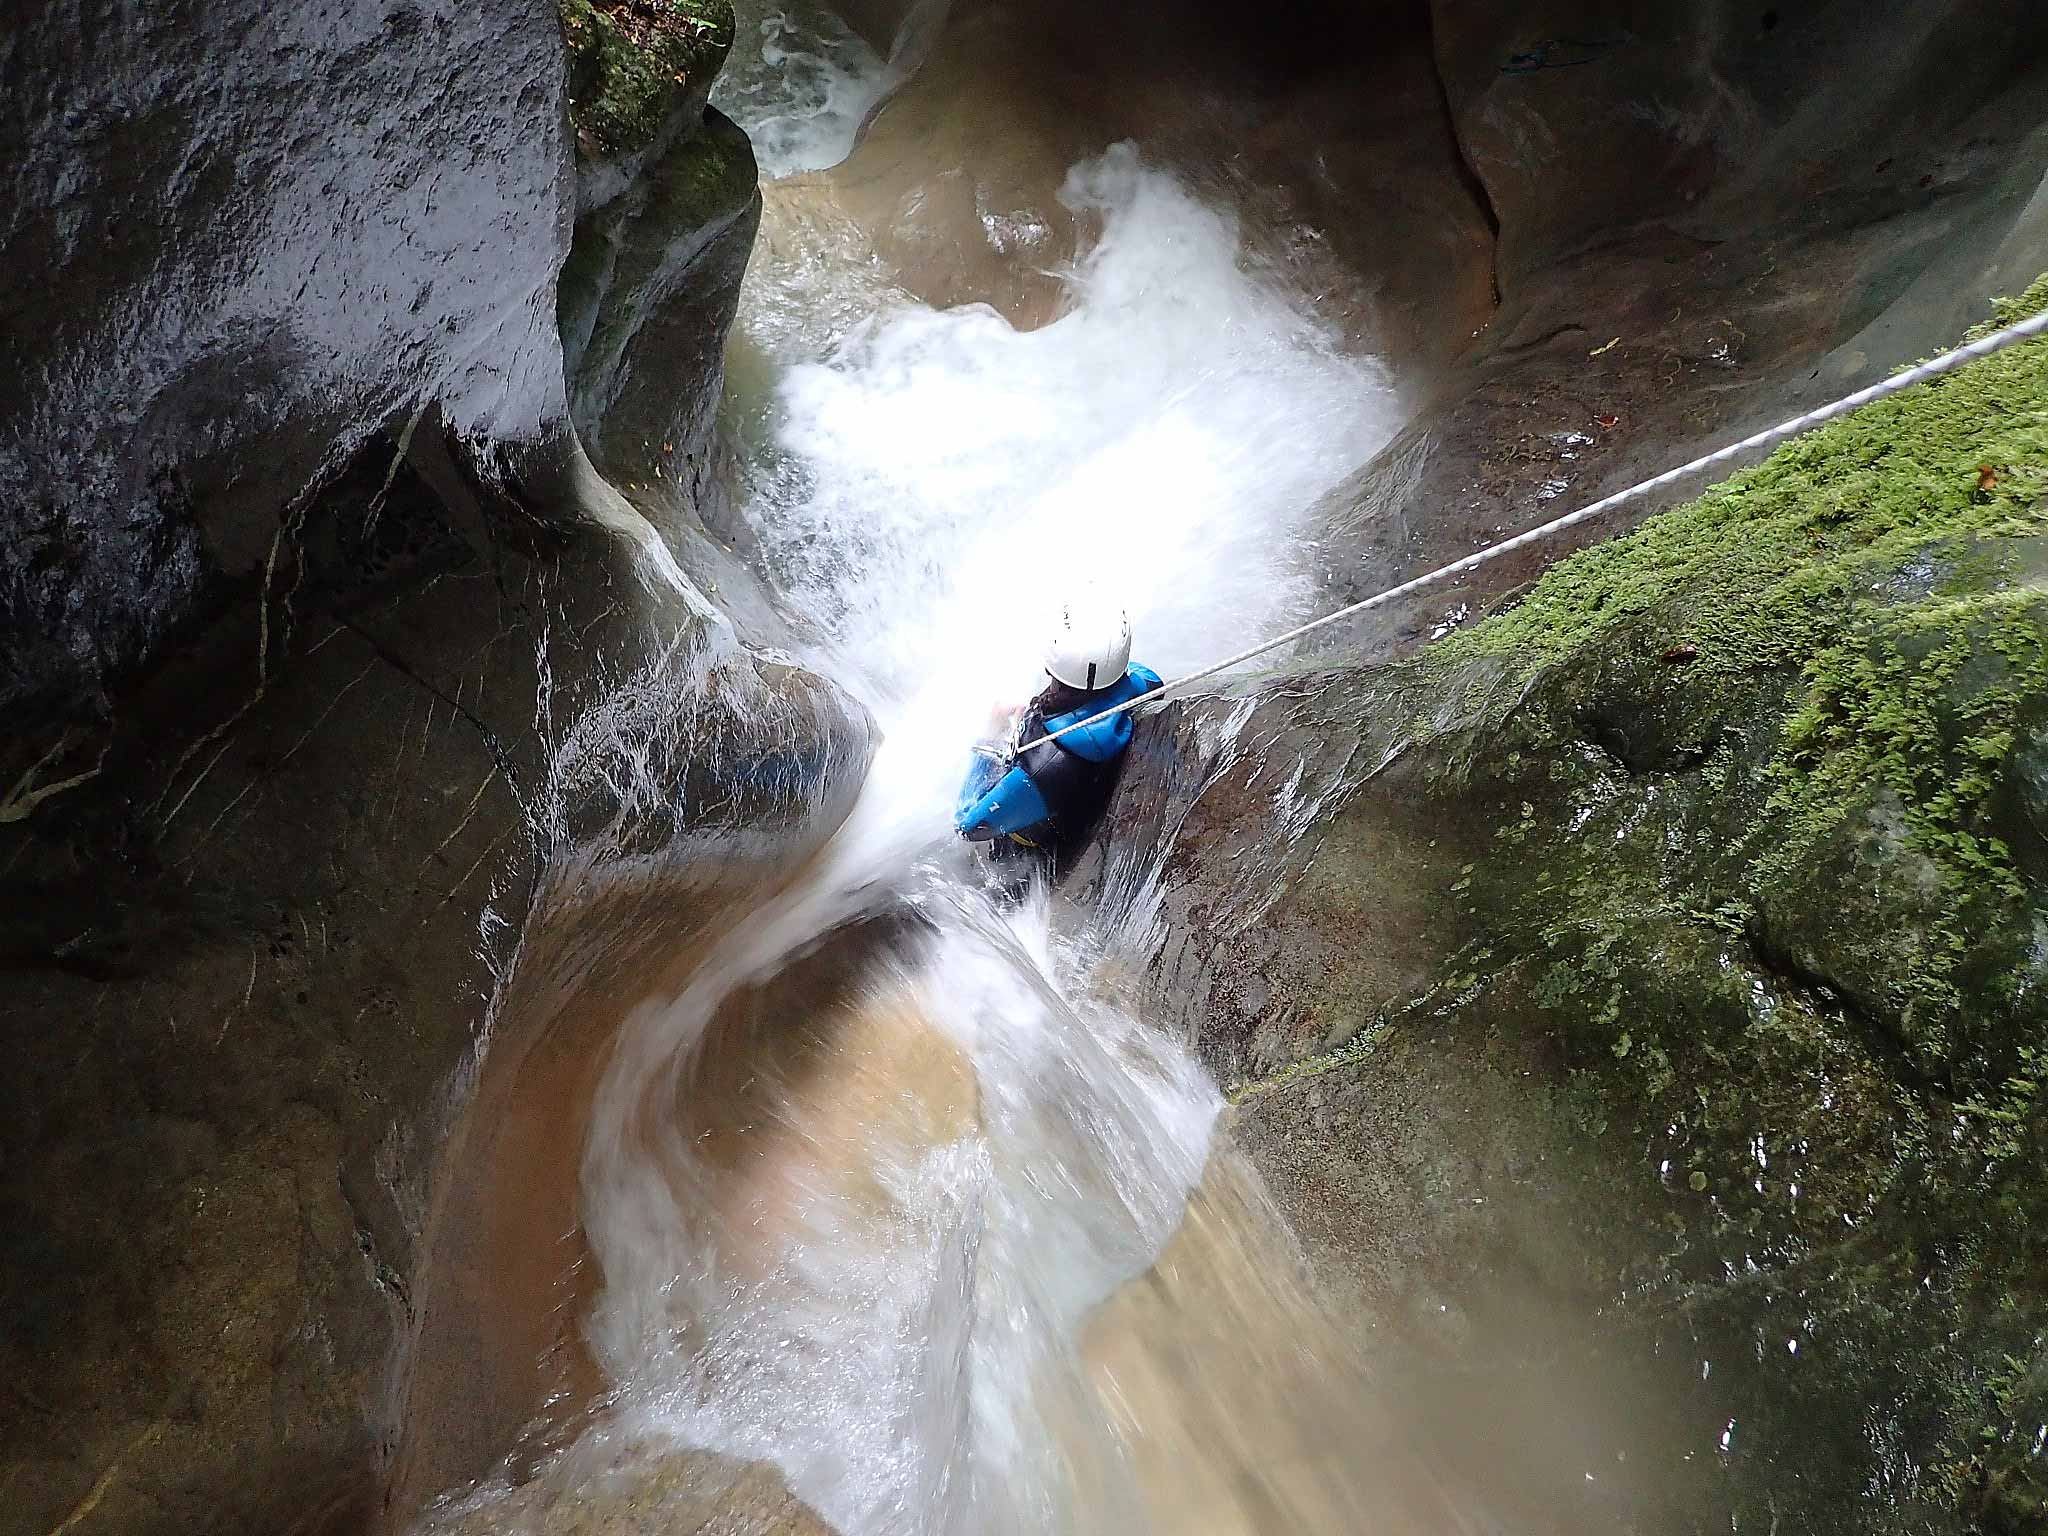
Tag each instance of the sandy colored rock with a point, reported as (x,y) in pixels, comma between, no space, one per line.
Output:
(641,1491)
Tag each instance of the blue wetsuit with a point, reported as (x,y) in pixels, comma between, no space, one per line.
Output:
(1054,789)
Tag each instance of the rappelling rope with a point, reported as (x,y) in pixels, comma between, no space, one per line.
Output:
(1948,362)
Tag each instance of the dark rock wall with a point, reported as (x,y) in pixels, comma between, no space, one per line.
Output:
(236,988)
(1582,119)
(243,240)
(315,665)
(243,969)
(1635,999)
(1709,220)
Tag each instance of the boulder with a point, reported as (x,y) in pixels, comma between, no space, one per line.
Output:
(1634,998)
(667,203)
(263,236)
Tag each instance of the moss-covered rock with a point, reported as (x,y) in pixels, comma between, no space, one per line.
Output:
(1766,866)
(1723,855)
(633,62)
(1823,676)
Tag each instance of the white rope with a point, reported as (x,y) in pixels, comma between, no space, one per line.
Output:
(1920,373)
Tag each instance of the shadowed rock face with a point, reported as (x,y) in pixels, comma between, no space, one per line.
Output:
(306,630)
(1584,119)
(239,992)
(292,300)
(1710,219)
(1639,989)
(257,236)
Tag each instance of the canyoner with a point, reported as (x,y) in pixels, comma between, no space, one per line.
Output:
(1025,790)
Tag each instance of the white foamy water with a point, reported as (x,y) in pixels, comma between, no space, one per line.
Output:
(883,1302)
(801,83)
(867,1261)
(940,478)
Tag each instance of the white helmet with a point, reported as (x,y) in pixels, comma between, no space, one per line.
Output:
(1090,645)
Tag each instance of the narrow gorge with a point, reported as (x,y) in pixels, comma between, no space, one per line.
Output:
(512,518)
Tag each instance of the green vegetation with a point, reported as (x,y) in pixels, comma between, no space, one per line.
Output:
(1764,793)
(1360,1048)
(631,62)
(1881,574)
(1762,562)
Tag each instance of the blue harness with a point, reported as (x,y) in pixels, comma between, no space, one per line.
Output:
(1000,798)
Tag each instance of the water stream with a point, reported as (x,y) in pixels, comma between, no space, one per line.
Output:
(866,1195)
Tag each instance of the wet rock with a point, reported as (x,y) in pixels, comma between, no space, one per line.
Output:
(649,292)
(261,235)
(292,397)
(637,70)
(269,931)
(1676,1029)
(1583,120)
(273,248)
(1302,1440)
(645,1491)
(496,1372)
(667,204)
(1684,229)
(880,22)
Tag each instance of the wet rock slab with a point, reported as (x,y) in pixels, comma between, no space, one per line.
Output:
(1621,1020)
(245,966)
(644,1491)
(305,634)
(246,241)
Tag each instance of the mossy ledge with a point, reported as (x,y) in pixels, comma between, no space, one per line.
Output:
(1752,815)
(1883,565)
(631,62)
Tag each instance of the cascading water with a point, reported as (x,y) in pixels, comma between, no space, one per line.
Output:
(801,82)
(856,1227)
(935,480)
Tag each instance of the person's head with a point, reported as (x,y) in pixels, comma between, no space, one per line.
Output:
(1090,645)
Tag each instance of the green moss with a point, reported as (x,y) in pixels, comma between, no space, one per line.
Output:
(1764,563)
(1863,569)
(1763,786)
(1360,1048)
(1922,703)
(631,62)
(2005,312)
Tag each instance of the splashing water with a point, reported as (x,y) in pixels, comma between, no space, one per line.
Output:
(942,479)
(801,83)
(853,1226)
(881,1302)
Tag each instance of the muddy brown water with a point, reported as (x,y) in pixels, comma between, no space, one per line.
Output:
(1213,1390)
